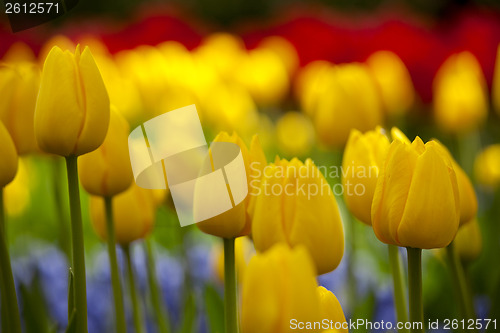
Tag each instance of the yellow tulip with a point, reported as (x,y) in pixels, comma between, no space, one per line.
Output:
(8,156)
(363,158)
(264,76)
(330,308)
(279,286)
(311,83)
(466,193)
(468,242)
(393,80)
(133,215)
(487,166)
(460,94)
(107,170)
(495,88)
(296,205)
(72,109)
(237,221)
(19,53)
(295,133)
(284,50)
(416,202)
(340,108)
(19,85)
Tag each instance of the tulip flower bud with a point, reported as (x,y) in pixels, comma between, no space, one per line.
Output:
(237,221)
(330,308)
(363,157)
(19,85)
(8,156)
(268,304)
(487,166)
(133,215)
(340,108)
(72,109)
(416,202)
(460,94)
(311,83)
(468,242)
(296,205)
(107,171)
(393,80)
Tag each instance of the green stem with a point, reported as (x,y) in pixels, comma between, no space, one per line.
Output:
(133,292)
(121,326)
(399,287)
(78,247)
(60,213)
(415,289)
(230,293)
(158,306)
(8,290)
(461,290)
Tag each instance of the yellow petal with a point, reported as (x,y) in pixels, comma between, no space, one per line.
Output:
(330,308)
(97,106)
(8,156)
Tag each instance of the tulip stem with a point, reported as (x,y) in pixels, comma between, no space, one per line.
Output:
(415,289)
(120,322)
(78,247)
(133,291)
(460,284)
(158,306)
(10,307)
(230,293)
(399,287)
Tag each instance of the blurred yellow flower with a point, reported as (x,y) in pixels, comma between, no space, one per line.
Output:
(363,158)
(284,50)
(264,76)
(19,52)
(279,286)
(237,221)
(295,134)
(8,156)
(107,170)
(393,81)
(495,88)
(340,108)
(17,193)
(311,83)
(468,241)
(19,86)
(295,205)
(133,214)
(72,109)
(487,166)
(330,308)
(460,94)
(416,201)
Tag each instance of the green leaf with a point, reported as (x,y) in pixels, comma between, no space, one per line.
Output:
(71,294)
(189,315)
(214,308)
(72,323)
(35,315)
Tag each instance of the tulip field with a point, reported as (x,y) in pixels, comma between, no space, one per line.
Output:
(359,190)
